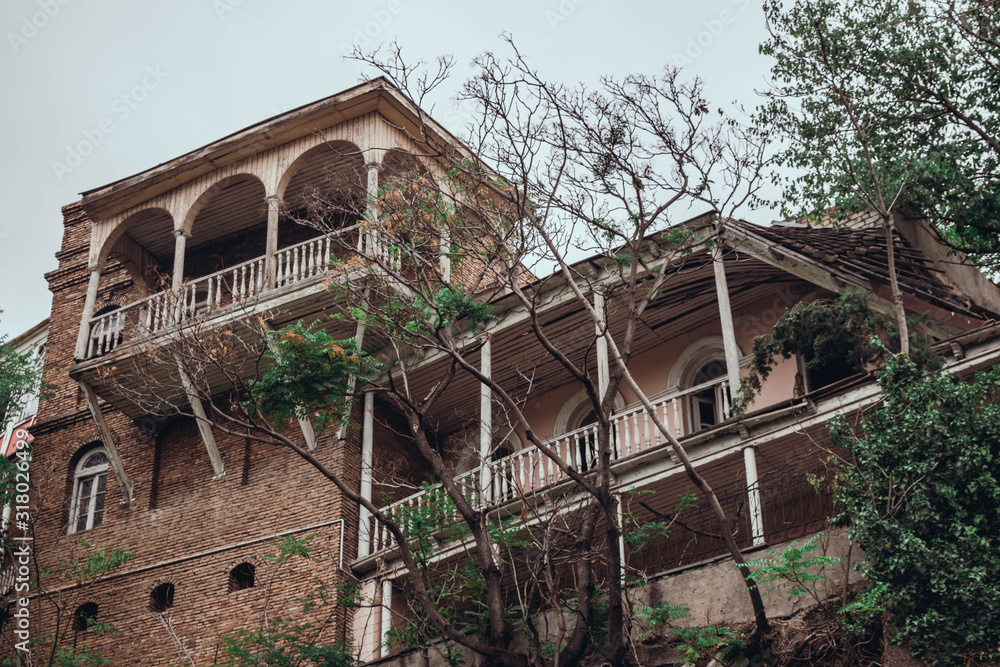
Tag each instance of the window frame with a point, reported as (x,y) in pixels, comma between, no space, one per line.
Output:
(82,474)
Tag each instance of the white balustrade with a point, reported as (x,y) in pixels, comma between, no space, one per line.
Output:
(209,294)
(528,470)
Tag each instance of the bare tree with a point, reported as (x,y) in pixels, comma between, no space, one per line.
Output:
(445,257)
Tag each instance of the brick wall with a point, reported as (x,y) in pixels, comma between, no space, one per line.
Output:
(183,526)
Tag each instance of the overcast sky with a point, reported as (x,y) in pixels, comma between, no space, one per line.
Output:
(138,83)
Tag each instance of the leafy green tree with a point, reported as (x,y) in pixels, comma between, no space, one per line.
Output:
(922,497)
(890,106)
(20,378)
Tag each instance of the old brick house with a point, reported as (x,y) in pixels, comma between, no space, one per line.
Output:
(204,235)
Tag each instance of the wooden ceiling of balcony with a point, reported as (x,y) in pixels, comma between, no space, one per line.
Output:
(328,165)
(238,206)
(521,363)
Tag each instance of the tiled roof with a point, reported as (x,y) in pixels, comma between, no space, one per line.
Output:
(859,255)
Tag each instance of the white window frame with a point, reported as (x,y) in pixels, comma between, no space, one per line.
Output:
(80,475)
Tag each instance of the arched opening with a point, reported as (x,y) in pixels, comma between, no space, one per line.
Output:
(90,483)
(144,244)
(84,616)
(325,195)
(229,227)
(413,212)
(700,374)
(161,598)
(242,576)
(507,468)
(575,416)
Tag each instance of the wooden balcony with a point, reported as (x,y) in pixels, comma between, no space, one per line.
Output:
(209,296)
(527,472)
(300,291)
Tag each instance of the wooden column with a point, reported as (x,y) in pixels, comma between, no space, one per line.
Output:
(365,624)
(485,421)
(603,370)
(368,244)
(88,312)
(754,496)
(180,244)
(271,251)
(108,439)
(367,450)
(308,432)
(352,382)
(207,438)
(726,318)
(386,616)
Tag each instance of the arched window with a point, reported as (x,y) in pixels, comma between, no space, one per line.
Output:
(506,468)
(577,413)
(161,598)
(90,481)
(707,404)
(242,576)
(702,362)
(84,616)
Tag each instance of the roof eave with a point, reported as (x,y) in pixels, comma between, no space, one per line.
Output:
(375,95)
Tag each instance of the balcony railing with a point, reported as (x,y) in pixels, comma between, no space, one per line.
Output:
(529,471)
(209,294)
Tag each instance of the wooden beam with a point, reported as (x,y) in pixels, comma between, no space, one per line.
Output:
(108,438)
(308,432)
(485,419)
(603,369)
(178,279)
(732,351)
(203,425)
(367,448)
(271,249)
(797,265)
(88,312)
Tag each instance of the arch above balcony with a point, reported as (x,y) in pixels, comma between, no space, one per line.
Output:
(330,160)
(576,409)
(149,227)
(236,192)
(693,359)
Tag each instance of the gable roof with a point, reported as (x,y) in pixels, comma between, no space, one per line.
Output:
(857,257)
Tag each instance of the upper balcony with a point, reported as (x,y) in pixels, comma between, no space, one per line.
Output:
(233,289)
(230,248)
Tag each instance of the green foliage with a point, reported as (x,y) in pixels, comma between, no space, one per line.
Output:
(309,373)
(447,305)
(283,644)
(20,377)
(656,618)
(699,643)
(856,617)
(922,499)
(890,99)
(640,531)
(843,332)
(92,566)
(696,642)
(290,547)
(791,568)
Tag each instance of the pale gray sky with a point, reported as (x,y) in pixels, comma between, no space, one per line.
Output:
(138,83)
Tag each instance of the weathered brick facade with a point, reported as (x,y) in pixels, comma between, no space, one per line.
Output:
(183,526)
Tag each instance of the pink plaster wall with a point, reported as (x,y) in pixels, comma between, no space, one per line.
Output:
(652,369)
